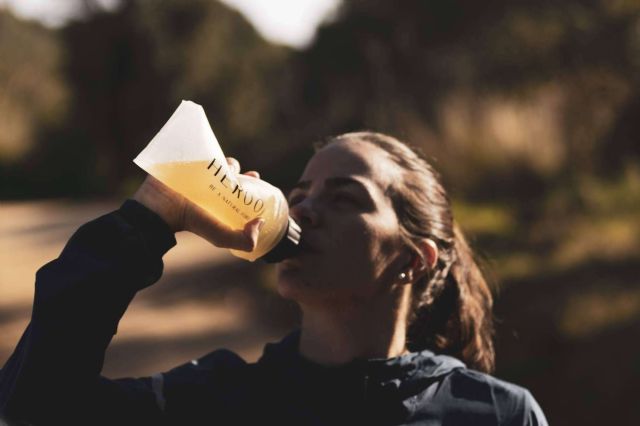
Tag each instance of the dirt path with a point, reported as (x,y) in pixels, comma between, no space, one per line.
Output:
(181,317)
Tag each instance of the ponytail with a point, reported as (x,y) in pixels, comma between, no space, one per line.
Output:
(475,313)
(452,309)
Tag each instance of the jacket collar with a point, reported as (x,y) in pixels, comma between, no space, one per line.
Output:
(406,368)
(380,390)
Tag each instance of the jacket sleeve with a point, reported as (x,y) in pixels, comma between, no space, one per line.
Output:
(53,376)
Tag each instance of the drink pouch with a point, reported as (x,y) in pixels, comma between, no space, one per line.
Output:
(186,156)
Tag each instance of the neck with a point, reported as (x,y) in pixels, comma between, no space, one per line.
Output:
(339,332)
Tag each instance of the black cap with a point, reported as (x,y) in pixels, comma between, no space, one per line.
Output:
(288,246)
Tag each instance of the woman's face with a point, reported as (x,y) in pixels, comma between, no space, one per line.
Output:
(352,249)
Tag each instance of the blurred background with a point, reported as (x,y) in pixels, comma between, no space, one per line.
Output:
(530,110)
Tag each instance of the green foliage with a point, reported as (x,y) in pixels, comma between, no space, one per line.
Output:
(520,93)
(491,89)
(125,73)
(32,88)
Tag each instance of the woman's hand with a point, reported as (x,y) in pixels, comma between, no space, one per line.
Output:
(183,215)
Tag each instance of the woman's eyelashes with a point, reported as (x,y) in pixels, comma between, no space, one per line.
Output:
(295,199)
(345,198)
(339,198)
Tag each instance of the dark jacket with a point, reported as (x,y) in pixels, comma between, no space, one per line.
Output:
(53,376)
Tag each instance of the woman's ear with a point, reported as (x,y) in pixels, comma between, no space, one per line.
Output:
(428,260)
(418,265)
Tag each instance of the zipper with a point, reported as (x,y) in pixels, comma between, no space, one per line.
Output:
(366,387)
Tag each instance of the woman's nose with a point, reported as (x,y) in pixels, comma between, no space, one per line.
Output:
(304,213)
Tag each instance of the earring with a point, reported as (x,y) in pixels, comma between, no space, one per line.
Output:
(402,275)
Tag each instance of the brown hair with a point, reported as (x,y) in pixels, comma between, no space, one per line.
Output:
(451,308)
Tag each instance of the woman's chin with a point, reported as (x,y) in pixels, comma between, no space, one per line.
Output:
(289,283)
(292,283)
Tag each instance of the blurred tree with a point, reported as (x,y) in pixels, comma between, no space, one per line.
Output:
(499,91)
(130,70)
(214,57)
(127,71)
(33,94)
(516,92)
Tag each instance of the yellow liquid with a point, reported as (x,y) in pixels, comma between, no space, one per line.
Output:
(232,200)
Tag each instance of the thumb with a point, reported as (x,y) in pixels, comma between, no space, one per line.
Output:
(252,231)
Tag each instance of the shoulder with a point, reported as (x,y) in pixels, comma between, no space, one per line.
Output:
(513,404)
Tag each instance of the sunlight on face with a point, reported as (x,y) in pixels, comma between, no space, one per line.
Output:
(350,231)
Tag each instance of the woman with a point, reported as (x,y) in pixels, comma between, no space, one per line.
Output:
(396,324)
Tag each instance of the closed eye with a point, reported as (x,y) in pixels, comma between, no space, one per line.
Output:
(295,199)
(342,197)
